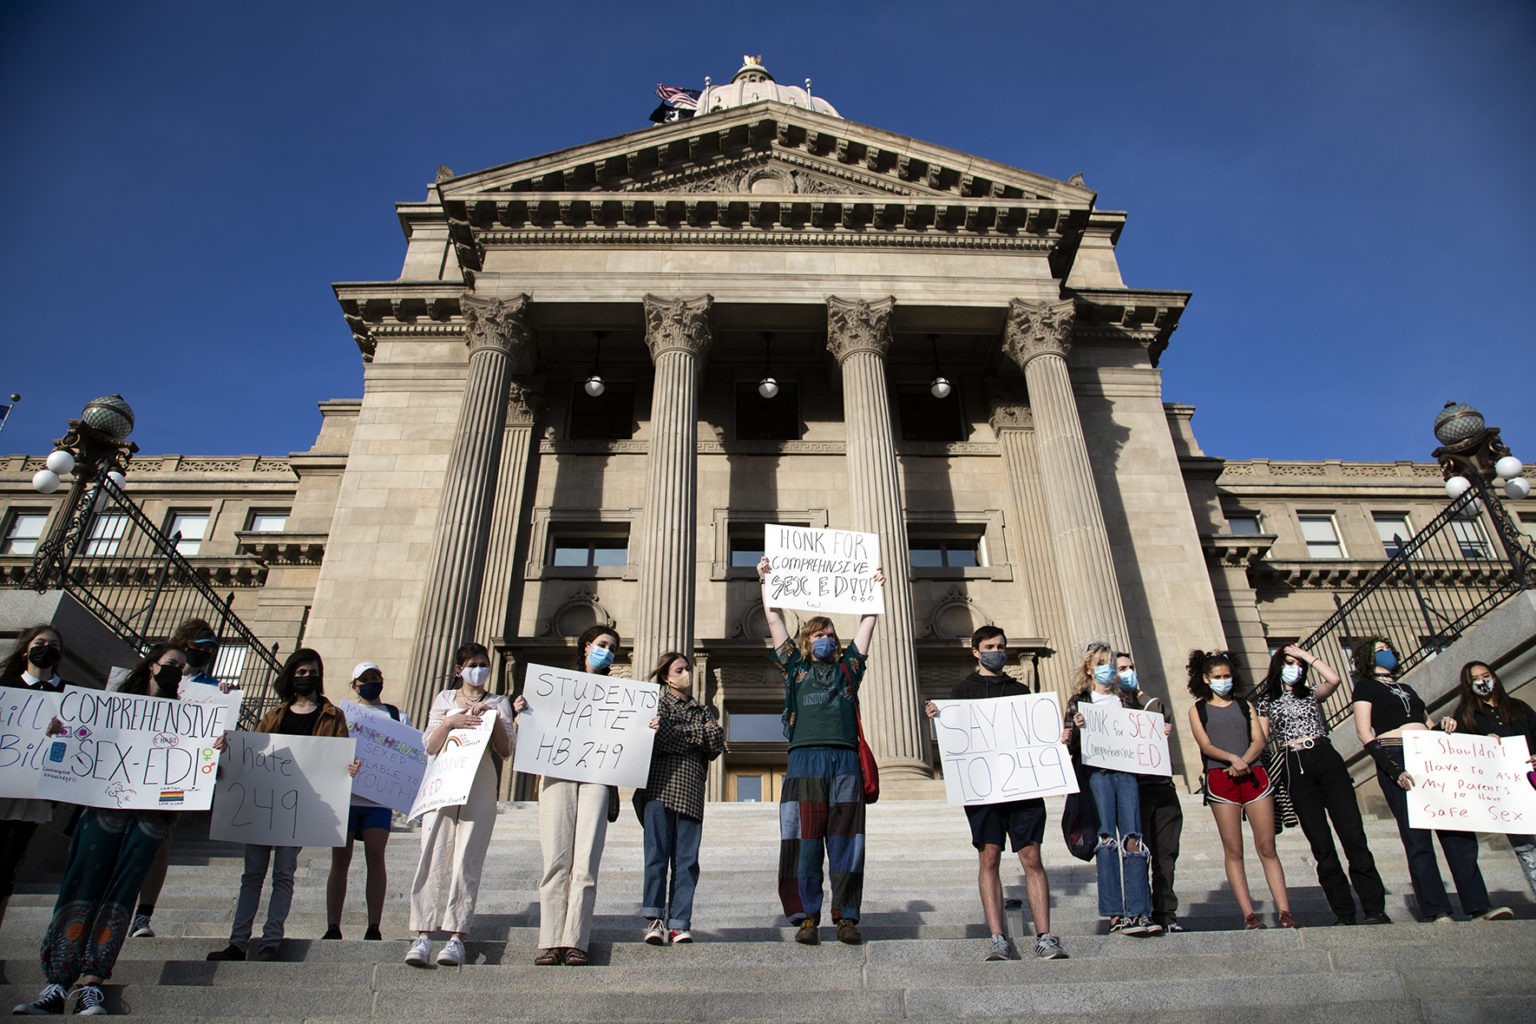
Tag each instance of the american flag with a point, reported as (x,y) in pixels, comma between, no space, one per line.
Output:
(672,96)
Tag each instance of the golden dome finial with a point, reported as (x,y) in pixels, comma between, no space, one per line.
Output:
(752,70)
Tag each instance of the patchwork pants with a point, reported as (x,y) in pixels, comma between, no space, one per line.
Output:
(821,813)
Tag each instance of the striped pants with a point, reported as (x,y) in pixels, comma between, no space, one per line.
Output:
(821,812)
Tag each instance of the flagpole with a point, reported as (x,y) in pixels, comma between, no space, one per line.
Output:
(6,415)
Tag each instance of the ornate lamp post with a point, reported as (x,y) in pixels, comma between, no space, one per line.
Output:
(1469,448)
(95,447)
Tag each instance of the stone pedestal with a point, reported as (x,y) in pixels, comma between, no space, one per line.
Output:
(859,336)
(499,344)
(1038,336)
(677,333)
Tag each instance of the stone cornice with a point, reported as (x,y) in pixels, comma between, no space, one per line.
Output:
(266,469)
(283,548)
(1121,314)
(1328,472)
(858,325)
(419,309)
(936,449)
(1350,574)
(1235,551)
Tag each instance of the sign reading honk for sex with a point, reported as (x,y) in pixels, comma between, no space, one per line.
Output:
(824,571)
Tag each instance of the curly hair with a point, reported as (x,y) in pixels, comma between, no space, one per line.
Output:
(1202,663)
(1362,656)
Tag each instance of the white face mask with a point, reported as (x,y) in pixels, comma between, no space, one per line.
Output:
(477,676)
(1289,674)
(1483,687)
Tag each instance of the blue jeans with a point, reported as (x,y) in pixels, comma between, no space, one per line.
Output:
(671,842)
(1124,889)
(1460,850)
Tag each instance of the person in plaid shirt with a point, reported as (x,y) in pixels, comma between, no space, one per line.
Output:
(671,806)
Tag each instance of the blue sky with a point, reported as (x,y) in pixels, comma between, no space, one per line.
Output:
(1343,186)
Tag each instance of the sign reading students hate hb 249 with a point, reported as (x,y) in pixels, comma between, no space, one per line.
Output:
(823,571)
(585,727)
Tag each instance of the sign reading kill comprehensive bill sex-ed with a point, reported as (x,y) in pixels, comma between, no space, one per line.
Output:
(122,750)
(823,571)
(1002,749)
(585,727)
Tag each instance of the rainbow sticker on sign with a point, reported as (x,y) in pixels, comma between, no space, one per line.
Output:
(452,741)
(173,796)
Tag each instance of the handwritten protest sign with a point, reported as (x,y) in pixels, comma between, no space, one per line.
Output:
(392,754)
(126,751)
(279,790)
(824,571)
(449,774)
(1125,740)
(227,704)
(1470,783)
(24,715)
(1003,748)
(586,728)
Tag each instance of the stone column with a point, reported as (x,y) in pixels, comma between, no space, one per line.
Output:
(1014,424)
(500,344)
(507,519)
(677,333)
(859,336)
(1038,336)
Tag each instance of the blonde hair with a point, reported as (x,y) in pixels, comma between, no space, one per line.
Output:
(808,629)
(1093,655)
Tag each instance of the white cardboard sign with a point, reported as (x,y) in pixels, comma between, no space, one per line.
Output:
(823,571)
(24,716)
(1126,740)
(585,727)
(227,704)
(1003,748)
(450,773)
(126,751)
(1469,783)
(393,755)
(277,790)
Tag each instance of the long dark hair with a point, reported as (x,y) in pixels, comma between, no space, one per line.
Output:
(140,679)
(1273,686)
(588,636)
(1363,656)
(1505,705)
(1201,663)
(284,682)
(17,662)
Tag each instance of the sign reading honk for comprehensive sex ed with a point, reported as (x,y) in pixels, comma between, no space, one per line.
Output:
(585,727)
(826,571)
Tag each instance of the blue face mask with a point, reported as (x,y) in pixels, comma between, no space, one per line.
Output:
(1221,687)
(1386,660)
(1128,679)
(1104,674)
(1290,674)
(370,691)
(823,647)
(599,658)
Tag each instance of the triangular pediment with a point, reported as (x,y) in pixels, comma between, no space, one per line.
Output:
(768,148)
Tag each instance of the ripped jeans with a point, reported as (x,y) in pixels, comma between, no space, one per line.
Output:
(1525,852)
(1124,886)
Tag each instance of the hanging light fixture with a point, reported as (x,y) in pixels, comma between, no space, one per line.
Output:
(594,386)
(768,387)
(940,386)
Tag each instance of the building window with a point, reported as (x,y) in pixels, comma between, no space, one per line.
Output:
(1277,642)
(1391,527)
(746,547)
(581,548)
(767,419)
(925,418)
(754,728)
(268,522)
(106,534)
(1526,521)
(1244,524)
(1470,538)
(193,527)
(23,532)
(608,417)
(1321,535)
(953,552)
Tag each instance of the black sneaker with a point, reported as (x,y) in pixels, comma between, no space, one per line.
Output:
(333,932)
(372,934)
(229,952)
(267,954)
(1172,924)
(89,1001)
(50,1000)
(1380,918)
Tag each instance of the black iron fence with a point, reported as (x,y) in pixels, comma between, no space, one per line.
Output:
(1469,559)
(111,558)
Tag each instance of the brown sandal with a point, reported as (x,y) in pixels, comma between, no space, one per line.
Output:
(552,957)
(576,958)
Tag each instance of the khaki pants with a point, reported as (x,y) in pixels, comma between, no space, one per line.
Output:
(453,845)
(573,822)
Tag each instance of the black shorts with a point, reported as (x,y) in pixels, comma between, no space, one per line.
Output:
(1022,821)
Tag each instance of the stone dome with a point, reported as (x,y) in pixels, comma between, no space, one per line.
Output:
(753,84)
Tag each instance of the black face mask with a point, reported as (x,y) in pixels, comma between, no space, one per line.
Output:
(305,686)
(44,655)
(198,658)
(168,678)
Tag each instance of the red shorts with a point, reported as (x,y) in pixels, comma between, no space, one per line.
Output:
(1221,788)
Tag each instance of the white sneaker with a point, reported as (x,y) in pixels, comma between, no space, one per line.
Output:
(656,933)
(140,928)
(452,954)
(1496,914)
(421,952)
(679,936)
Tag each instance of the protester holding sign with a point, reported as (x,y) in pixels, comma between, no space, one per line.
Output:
(573,825)
(454,838)
(1121,859)
(821,807)
(1162,817)
(302,711)
(1291,715)
(1021,822)
(1485,709)
(367,821)
(671,806)
(109,854)
(1229,735)
(39,649)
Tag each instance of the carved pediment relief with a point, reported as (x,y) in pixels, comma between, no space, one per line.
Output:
(768,176)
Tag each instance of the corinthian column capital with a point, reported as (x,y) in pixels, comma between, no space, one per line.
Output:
(858,325)
(1010,408)
(500,324)
(525,397)
(1037,329)
(677,324)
